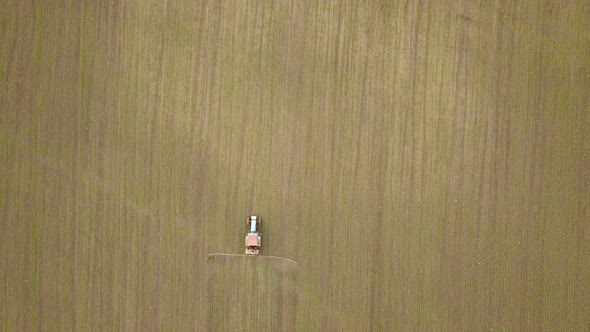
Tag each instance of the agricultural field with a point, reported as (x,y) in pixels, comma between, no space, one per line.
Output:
(426,164)
(252,293)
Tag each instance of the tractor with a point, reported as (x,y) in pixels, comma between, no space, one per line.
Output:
(253,237)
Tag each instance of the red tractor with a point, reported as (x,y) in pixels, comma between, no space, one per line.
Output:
(253,237)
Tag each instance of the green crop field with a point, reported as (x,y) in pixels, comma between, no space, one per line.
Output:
(425,163)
